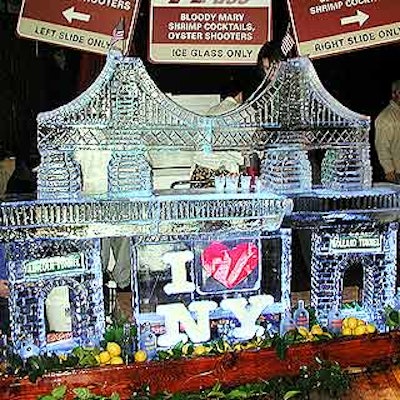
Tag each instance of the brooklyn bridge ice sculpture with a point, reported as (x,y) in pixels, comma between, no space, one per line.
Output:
(216,255)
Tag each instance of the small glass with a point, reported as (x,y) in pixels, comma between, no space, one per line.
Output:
(258,185)
(219,182)
(245,183)
(231,184)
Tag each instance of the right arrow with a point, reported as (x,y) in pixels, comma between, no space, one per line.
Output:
(360,18)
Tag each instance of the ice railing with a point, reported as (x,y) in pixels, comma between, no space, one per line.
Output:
(124,108)
(167,214)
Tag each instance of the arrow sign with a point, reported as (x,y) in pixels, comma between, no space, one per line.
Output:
(360,17)
(70,14)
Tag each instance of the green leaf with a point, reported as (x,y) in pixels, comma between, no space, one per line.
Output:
(47,397)
(291,394)
(82,393)
(59,392)
(237,394)
(115,396)
(216,395)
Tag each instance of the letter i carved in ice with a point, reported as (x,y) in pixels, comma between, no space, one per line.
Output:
(177,260)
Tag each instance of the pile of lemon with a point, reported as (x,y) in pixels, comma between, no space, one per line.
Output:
(357,327)
(111,355)
(315,333)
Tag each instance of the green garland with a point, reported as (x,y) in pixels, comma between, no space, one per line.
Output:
(322,377)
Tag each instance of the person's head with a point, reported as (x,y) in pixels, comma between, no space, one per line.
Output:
(396,91)
(269,54)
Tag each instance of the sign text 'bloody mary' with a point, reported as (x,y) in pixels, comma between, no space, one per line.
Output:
(208,31)
(80,24)
(326,27)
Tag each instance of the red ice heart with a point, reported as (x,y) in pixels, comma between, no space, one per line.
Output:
(230,266)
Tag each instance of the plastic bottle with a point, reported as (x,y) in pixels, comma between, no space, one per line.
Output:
(301,316)
(147,341)
(335,320)
(287,323)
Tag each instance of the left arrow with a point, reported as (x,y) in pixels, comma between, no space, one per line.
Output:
(70,14)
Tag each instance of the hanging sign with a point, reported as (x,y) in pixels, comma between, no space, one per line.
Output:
(59,264)
(356,243)
(208,31)
(80,24)
(325,27)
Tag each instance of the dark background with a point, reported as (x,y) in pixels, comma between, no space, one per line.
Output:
(31,80)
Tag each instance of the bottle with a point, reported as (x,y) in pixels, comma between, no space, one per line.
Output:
(335,320)
(147,341)
(301,316)
(127,345)
(287,323)
(397,300)
(253,169)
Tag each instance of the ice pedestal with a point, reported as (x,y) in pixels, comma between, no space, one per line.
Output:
(351,229)
(35,268)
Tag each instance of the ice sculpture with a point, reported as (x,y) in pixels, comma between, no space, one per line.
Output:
(37,266)
(234,268)
(299,115)
(216,286)
(123,112)
(119,119)
(375,247)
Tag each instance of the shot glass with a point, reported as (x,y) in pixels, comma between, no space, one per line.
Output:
(231,184)
(245,183)
(219,182)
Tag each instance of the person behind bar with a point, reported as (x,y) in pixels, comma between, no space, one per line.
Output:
(387,136)
(269,58)
(232,96)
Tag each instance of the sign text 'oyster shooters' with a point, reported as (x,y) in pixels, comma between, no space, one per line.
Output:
(208,31)
(80,24)
(325,27)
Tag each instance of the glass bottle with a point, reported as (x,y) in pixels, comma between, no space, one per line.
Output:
(127,345)
(301,316)
(287,323)
(335,320)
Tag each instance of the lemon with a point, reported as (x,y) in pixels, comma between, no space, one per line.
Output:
(303,331)
(310,337)
(140,356)
(317,330)
(345,323)
(200,350)
(370,328)
(104,357)
(360,322)
(116,361)
(352,323)
(347,332)
(114,349)
(360,330)
(97,359)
